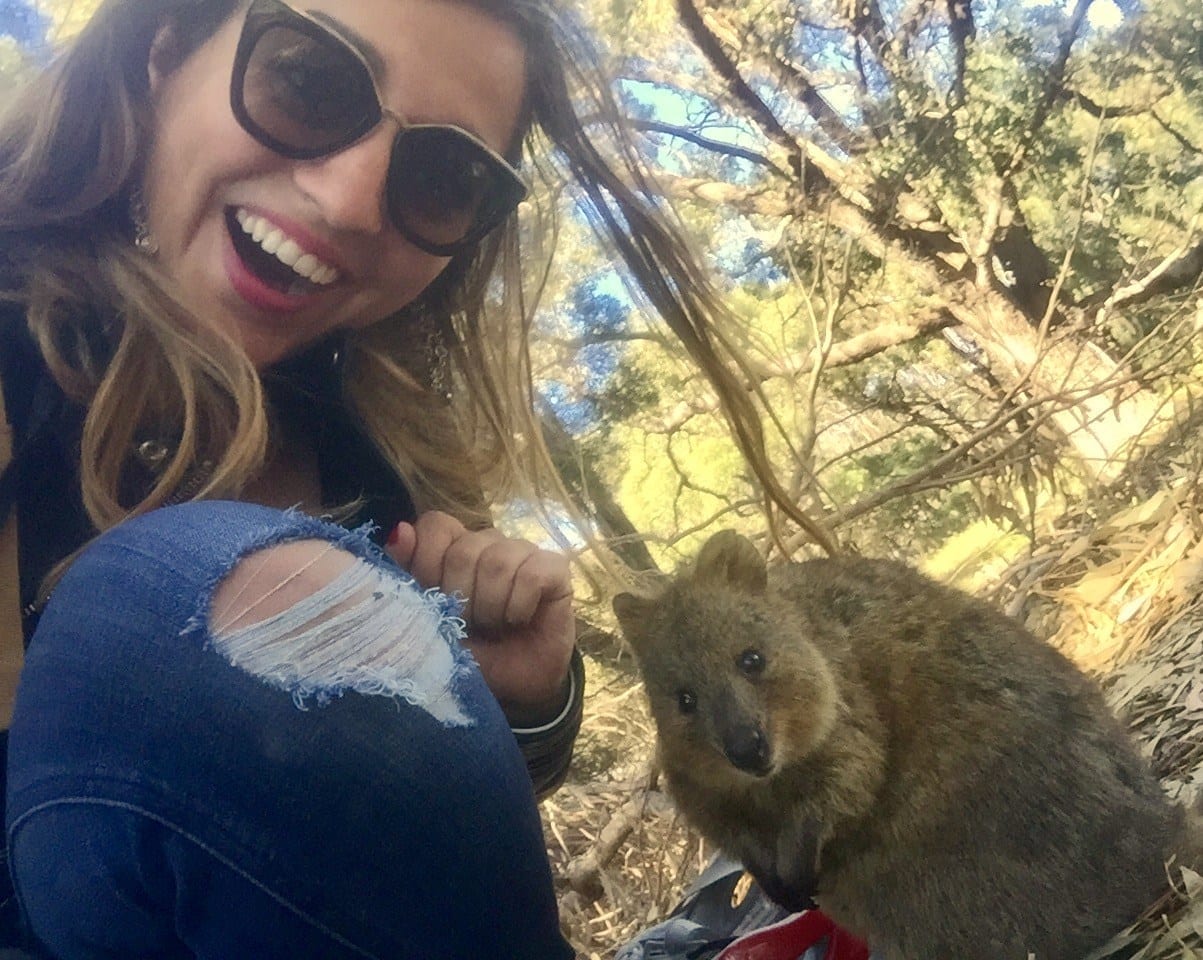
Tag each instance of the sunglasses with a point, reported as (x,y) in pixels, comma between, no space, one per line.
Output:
(304,92)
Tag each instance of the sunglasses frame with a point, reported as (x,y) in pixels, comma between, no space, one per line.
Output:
(261,16)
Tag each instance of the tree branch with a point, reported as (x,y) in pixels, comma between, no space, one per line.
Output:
(1181,138)
(1054,86)
(823,113)
(867,24)
(1029,265)
(910,22)
(760,113)
(592,494)
(1055,81)
(1180,269)
(844,353)
(862,346)
(765,202)
(707,143)
(962,30)
(1101,111)
(873,30)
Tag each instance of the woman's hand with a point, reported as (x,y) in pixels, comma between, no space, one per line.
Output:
(521,627)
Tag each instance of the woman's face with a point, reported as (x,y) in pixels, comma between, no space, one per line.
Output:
(206,178)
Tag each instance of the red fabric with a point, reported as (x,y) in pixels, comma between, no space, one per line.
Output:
(790,938)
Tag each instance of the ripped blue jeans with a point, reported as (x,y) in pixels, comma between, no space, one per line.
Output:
(242,732)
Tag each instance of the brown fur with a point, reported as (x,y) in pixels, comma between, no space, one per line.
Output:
(947,785)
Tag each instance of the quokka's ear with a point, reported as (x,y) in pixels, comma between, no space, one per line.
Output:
(731,560)
(633,614)
(630,610)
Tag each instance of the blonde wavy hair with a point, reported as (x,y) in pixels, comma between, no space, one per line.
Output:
(119,342)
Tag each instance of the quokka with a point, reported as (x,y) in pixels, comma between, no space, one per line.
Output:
(941,782)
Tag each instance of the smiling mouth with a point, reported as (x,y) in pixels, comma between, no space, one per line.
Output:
(275,259)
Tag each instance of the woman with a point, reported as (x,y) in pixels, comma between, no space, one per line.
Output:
(260,257)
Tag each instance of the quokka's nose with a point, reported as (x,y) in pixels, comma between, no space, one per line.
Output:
(748,748)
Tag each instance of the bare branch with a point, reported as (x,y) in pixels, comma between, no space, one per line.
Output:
(824,114)
(584,872)
(873,30)
(910,23)
(1025,260)
(1103,110)
(1106,111)
(707,143)
(868,26)
(955,466)
(962,30)
(853,350)
(1055,82)
(763,201)
(662,75)
(1181,138)
(1182,268)
(847,352)
(1054,85)
(759,111)
(592,494)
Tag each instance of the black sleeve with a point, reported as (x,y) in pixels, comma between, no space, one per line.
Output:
(548,748)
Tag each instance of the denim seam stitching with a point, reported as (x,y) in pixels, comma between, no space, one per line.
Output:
(196,841)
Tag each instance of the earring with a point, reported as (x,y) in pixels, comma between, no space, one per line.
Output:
(434,334)
(438,364)
(144,240)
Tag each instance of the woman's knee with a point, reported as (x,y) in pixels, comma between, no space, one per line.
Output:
(303,605)
(302,708)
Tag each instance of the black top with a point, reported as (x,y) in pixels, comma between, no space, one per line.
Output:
(43,478)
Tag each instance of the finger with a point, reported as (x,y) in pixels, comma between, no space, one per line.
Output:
(435,532)
(543,578)
(461,561)
(401,544)
(496,569)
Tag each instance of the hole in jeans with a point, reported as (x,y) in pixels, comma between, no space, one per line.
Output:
(316,621)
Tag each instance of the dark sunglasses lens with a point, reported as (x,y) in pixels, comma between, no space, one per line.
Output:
(307,92)
(445,188)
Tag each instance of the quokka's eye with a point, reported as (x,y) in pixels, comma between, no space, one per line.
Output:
(686,701)
(750,663)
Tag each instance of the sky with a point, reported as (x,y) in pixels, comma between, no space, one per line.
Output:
(1103,15)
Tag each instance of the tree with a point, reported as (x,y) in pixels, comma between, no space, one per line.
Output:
(958,235)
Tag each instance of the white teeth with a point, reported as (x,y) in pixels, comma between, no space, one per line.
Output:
(271,239)
(288,252)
